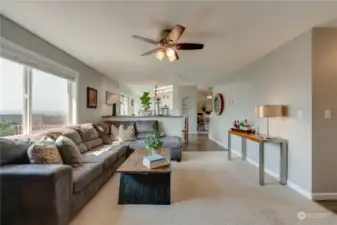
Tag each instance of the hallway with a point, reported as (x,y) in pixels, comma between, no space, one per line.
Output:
(201,142)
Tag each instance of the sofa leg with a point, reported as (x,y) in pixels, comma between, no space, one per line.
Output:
(178,159)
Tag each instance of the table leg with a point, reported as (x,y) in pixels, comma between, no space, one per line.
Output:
(284,163)
(261,163)
(244,148)
(229,147)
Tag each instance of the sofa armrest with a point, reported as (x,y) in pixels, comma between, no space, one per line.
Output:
(35,194)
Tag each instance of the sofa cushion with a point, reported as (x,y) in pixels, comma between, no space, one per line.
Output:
(102,129)
(13,151)
(172,142)
(56,132)
(85,174)
(44,152)
(82,147)
(114,132)
(93,143)
(107,155)
(69,152)
(107,140)
(87,132)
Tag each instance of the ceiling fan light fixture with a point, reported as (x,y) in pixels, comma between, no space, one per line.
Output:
(160,55)
(173,57)
(170,52)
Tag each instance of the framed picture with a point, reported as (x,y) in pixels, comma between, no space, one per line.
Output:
(91,98)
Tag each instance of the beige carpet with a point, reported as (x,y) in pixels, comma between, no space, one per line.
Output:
(209,190)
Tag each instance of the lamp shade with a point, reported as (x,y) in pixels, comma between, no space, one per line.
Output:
(113,99)
(266,111)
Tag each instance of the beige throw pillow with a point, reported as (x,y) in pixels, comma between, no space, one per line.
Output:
(114,132)
(44,151)
(126,133)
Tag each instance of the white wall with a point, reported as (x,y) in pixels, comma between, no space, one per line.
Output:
(280,77)
(189,95)
(88,77)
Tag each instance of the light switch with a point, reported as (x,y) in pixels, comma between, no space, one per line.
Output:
(327,114)
(300,114)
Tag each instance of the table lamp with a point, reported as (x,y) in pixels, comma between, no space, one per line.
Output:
(267,111)
(113,100)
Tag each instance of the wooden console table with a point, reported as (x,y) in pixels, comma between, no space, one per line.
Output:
(261,140)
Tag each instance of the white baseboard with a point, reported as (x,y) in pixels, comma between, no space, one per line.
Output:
(216,141)
(324,196)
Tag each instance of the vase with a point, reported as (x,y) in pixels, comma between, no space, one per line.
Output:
(156,151)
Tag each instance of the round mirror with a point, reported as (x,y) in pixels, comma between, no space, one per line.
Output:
(218,104)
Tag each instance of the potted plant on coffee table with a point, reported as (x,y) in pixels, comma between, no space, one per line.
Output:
(146,103)
(153,143)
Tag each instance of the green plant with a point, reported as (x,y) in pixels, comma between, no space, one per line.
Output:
(6,128)
(146,101)
(153,141)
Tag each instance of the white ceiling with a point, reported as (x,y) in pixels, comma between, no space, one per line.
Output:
(234,34)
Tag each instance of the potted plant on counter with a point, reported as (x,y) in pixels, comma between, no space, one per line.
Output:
(146,103)
(154,144)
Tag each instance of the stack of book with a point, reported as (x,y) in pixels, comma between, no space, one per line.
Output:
(155,161)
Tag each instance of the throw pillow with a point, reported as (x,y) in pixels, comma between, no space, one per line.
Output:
(44,152)
(69,152)
(13,151)
(107,140)
(126,134)
(114,132)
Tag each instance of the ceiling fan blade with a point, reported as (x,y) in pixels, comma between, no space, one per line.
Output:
(151,51)
(176,33)
(189,46)
(148,40)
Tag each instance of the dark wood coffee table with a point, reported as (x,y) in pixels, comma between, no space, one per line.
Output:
(140,185)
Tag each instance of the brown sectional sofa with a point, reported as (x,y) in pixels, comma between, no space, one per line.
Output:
(33,194)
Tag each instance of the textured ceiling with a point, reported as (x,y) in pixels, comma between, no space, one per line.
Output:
(234,34)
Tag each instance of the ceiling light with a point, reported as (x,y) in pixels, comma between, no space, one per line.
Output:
(160,55)
(170,52)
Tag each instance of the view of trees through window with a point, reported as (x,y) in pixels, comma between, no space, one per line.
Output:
(48,95)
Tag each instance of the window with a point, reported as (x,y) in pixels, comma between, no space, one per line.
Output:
(31,99)
(124,106)
(50,100)
(11,97)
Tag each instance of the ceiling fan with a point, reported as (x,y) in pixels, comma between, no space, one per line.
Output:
(168,44)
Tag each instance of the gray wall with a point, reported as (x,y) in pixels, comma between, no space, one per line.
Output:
(87,75)
(280,77)
(324,139)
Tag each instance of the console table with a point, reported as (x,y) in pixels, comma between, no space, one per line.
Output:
(262,141)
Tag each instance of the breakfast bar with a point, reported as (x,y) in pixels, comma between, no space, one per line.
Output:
(262,141)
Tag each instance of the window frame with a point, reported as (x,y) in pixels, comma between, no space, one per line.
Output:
(31,60)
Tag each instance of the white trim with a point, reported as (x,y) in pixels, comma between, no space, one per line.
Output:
(216,141)
(27,57)
(324,196)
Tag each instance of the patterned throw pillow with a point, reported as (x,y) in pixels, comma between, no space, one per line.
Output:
(44,152)
(114,132)
(126,134)
(69,152)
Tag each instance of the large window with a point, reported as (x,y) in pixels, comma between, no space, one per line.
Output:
(11,97)
(50,100)
(31,99)
(124,106)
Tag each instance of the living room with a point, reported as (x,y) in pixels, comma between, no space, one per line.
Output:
(62,62)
